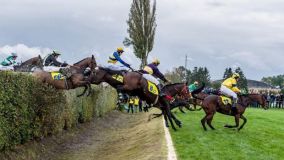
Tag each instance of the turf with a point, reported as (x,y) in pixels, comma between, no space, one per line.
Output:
(262,138)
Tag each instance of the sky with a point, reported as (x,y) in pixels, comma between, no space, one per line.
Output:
(213,33)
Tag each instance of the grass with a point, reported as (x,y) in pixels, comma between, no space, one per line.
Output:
(262,138)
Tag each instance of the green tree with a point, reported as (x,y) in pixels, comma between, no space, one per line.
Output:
(177,75)
(141,29)
(200,74)
(276,81)
(228,73)
(242,83)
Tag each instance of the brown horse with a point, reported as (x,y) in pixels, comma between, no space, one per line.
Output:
(77,78)
(192,102)
(213,103)
(28,65)
(134,84)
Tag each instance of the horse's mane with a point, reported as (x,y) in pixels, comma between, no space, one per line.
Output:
(81,61)
(170,85)
(173,84)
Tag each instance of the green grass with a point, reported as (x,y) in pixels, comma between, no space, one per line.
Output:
(262,138)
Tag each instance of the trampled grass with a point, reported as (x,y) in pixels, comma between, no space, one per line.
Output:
(262,138)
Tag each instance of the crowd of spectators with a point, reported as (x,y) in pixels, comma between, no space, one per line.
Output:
(274,99)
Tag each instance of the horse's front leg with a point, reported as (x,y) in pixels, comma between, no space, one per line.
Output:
(178,122)
(237,120)
(245,121)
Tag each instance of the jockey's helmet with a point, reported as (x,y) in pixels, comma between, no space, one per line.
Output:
(56,53)
(120,49)
(14,54)
(156,61)
(236,75)
(196,83)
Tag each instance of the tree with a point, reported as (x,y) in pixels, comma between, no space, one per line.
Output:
(177,75)
(276,81)
(242,83)
(200,74)
(228,73)
(141,29)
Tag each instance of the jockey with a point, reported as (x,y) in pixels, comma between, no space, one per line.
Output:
(229,88)
(114,58)
(151,71)
(192,87)
(10,60)
(51,60)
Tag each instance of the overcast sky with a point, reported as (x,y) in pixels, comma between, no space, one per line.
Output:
(214,33)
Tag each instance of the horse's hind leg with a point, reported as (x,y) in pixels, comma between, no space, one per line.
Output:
(209,119)
(203,120)
(245,121)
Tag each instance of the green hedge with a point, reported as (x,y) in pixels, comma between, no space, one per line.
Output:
(31,110)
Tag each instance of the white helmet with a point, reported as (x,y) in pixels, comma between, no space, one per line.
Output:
(14,54)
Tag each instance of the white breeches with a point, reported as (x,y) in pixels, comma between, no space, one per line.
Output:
(116,67)
(51,68)
(151,78)
(226,91)
(6,68)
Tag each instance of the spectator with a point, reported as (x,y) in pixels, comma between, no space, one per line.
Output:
(130,104)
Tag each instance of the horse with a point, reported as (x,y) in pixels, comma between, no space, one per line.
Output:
(182,103)
(77,78)
(213,103)
(134,84)
(28,65)
(172,90)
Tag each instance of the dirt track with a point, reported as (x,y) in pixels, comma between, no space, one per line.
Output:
(117,135)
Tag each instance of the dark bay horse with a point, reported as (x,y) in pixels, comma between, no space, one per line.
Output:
(213,103)
(134,84)
(28,65)
(76,80)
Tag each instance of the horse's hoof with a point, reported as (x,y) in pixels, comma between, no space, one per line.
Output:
(226,126)
(167,126)
(174,129)
(180,126)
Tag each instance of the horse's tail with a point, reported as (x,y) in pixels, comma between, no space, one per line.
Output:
(198,91)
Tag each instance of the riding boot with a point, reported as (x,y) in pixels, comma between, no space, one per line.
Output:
(234,106)
(66,72)
(160,86)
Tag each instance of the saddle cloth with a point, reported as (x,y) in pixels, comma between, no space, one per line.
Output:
(226,100)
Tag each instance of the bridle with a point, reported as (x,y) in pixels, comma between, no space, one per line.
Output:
(184,92)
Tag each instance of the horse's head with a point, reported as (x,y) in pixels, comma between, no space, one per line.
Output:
(39,62)
(179,89)
(87,62)
(260,99)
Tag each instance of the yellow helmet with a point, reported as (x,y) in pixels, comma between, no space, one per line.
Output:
(236,75)
(120,49)
(156,61)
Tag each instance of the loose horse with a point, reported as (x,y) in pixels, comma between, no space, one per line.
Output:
(77,78)
(213,103)
(28,65)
